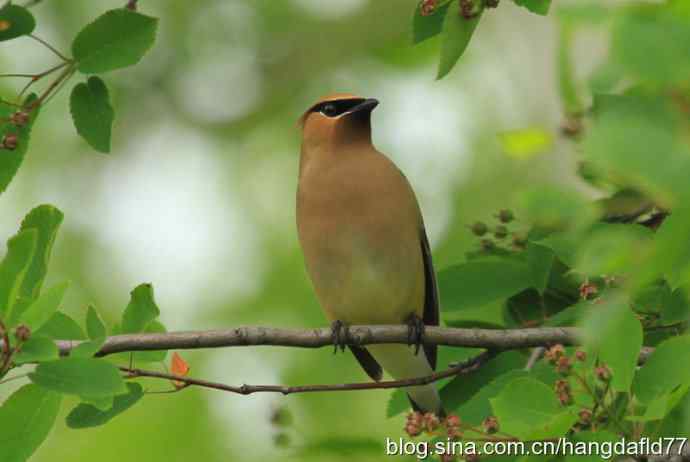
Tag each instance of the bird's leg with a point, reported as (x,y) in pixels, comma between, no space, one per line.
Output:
(339,335)
(415,332)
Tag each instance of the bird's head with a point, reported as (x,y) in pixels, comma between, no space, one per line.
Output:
(338,119)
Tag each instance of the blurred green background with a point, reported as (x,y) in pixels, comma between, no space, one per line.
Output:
(197,196)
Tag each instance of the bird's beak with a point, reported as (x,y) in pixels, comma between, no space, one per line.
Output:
(367,105)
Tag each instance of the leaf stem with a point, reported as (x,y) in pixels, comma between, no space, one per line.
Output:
(50,47)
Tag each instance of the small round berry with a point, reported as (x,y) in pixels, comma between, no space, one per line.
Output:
(553,353)
(505,216)
(452,421)
(585,416)
(487,244)
(500,232)
(22,333)
(431,422)
(9,141)
(479,228)
(427,7)
(519,241)
(565,398)
(563,365)
(562,386)
(603,373)
(490,425)
(19,118)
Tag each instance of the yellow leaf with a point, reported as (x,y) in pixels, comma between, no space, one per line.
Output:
(525,143)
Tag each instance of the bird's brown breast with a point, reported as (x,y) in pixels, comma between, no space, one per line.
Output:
(358,225)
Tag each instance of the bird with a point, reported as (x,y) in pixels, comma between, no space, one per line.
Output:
(365,247)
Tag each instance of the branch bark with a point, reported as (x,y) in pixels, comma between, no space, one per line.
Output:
(492,339)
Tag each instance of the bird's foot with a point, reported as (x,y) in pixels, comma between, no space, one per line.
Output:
(415,332)
(339,334)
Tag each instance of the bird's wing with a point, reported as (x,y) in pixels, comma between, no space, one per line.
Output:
(367,361)
(431,315)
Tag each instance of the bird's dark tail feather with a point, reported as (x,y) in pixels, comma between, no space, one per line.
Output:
(441,414)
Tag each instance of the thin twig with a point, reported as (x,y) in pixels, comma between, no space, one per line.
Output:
(63,77)
(462,368)
(59,86)
(25,76)
(50,47)
(534,357)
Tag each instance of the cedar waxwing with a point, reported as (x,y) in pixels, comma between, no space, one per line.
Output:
(364,242)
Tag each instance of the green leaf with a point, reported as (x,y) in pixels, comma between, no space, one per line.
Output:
(94,324)
(15,21)
(651,42)
(86,415)
(525,143)
(26,418)
(10,160)
(140,311)
(463,387)
(478,407)
(397,403)
(88,378)
(154,356)
(13,268)
(479,282)
(567,85)
(571,315)
(620,352)
(61,327)
(489,316)
(46,220)
(37,349)
(672,252)
(528,409)
(87,349)
(102,403)
(341,446)
(92,113)
(675,307)
(664,370)
(676,422)
(41,310)
(540,261)
(535,6)
(553,208)
(603,318)
(457,32)
(425,27)
(625,130)
(118,38)
(661,406)
(611,248)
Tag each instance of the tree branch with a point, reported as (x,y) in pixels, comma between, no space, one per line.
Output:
(492,339)
(460,368)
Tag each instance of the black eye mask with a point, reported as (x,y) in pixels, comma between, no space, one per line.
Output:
(338,107)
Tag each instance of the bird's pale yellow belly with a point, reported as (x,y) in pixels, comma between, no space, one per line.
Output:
(359,282)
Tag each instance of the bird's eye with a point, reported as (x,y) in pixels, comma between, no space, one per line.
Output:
(329,110)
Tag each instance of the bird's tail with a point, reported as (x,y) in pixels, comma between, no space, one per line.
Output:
(401,362)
